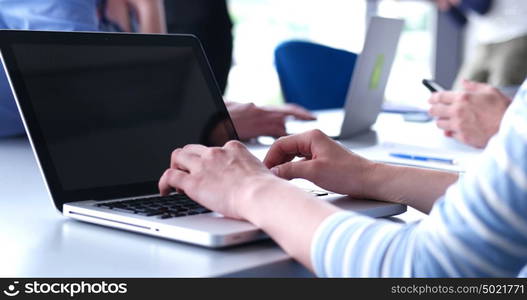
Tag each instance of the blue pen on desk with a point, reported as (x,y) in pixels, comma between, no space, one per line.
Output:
(424,158)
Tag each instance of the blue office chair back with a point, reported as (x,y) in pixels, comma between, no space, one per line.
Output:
(313,75)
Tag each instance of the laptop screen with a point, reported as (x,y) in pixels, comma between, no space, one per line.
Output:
(110,115)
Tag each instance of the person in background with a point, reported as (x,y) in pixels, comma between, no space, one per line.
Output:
(71,15)
(471,116)
(500,29)
(211,23)
(145,16)
(477,223)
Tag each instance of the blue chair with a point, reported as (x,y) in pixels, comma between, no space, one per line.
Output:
(312,75)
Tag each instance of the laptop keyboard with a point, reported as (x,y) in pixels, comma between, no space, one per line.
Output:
(167,207)
(172,206)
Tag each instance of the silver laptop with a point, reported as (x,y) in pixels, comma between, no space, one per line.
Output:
(104,112)
(366,91)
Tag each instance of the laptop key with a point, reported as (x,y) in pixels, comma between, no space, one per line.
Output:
(124,210)
(120,206)
(150,213)
(177,205)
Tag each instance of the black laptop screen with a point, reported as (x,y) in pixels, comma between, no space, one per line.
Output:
(111,115)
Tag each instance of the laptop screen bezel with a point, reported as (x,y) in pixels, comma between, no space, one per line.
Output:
(8,38)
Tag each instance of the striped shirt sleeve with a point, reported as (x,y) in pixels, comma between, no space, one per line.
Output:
(478,228)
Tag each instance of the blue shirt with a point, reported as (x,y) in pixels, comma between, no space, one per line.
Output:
(61,15)
(478,228)
(458,13)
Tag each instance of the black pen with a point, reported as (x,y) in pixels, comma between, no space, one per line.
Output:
(433,86)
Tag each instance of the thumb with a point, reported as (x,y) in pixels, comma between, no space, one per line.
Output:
(472,86)
(292,170)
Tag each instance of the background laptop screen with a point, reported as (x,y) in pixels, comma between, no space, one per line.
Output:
(111,115)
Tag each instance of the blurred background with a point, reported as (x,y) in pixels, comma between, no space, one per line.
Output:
(261,25)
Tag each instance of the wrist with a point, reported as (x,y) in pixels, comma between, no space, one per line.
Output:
(251,189)
(264,196)
(377,179)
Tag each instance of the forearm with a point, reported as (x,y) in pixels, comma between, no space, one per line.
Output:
(418,188)
(151,15)
(287,214)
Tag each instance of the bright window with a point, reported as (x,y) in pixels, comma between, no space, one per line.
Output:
(414,60)
(261,25)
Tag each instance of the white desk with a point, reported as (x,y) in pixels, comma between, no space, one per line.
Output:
(37,241)
(392,134)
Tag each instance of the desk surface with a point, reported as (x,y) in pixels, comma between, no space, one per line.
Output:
(37,241)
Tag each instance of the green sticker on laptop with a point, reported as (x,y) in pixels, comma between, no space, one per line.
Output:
(376,73)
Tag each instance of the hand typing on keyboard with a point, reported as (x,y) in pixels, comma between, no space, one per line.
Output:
(172,206)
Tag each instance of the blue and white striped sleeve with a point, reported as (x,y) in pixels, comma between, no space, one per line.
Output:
(478,228)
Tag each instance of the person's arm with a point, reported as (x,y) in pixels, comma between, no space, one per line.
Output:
(418,188)
(150,14)
(337,169)
(472,116)
(231,181)
(228,179)
(252,121)
(477,229)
